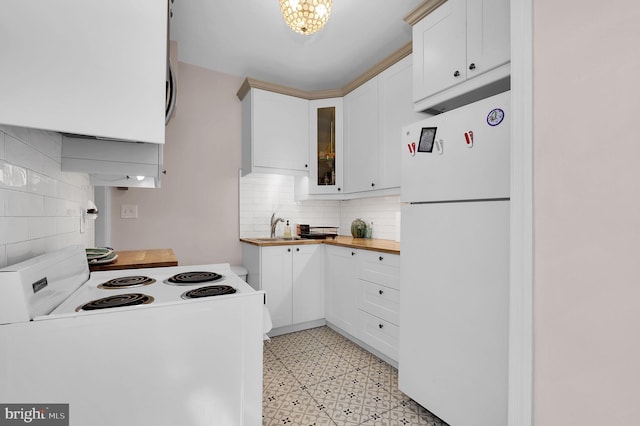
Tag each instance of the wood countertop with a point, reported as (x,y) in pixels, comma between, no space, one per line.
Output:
(133,259)
(375,244)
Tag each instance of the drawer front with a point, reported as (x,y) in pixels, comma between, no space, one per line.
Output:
(380,268)
(379,334)
(381,301)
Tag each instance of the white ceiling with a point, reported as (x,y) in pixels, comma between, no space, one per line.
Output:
(249,38)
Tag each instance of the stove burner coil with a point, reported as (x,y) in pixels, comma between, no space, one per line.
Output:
(194,278)
(127,282)
(116,301)
(208,291)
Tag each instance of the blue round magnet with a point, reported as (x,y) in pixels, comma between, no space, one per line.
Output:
(495,117)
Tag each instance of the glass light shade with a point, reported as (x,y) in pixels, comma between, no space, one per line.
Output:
(306,16)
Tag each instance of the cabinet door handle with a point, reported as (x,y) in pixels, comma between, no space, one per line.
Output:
(297,249)
(380,326)
(380,258)
(288,250)
(456,73)
(472,66)
(380,291)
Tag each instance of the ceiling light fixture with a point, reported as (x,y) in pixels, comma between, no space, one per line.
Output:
(306,16)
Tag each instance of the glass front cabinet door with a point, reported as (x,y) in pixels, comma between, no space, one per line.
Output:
(325,172)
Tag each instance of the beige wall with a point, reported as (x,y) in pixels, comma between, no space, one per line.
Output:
(196,210)
(586,213)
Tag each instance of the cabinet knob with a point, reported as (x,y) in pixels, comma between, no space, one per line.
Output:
(353,253)
(288,250)
(472,66)
(380,258)
(306,166)
(456,73)
(380,325)
(297,249)
(380,291)
(338,189)
(373,184)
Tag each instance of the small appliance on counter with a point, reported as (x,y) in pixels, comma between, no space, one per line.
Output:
(318,232)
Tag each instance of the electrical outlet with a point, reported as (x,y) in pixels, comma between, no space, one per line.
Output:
(128,211)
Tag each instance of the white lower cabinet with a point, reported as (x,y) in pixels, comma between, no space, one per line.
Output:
(292,277)
(277,281)
(355,290)
(379,301)
(308,283)
(379,334)
(342,288)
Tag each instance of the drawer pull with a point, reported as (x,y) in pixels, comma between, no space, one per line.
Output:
(379,325)
(380,291)
(380,258)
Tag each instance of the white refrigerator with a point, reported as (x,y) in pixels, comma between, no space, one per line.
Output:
(455,263)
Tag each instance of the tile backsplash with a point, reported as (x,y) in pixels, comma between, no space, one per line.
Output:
(379,210)
(40,205)
(262,194)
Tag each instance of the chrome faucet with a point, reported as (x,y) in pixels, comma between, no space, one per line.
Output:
(274,222)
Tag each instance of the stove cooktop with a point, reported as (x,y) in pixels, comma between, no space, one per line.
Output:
(106,289)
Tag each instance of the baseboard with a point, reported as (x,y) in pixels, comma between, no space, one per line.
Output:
(360,343)
(296,327)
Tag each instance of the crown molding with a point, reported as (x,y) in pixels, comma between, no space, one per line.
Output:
(423,10)
(252,83)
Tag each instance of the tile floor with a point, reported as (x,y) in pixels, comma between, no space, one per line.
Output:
(318,377)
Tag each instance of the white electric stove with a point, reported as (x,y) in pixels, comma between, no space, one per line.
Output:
(162,346)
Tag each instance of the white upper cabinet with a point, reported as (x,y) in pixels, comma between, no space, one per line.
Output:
(488,35)
(395,110)
(459,48)
(440,49)
(361,118)
(85,67)
(275,133)
(326,152)
(374,116)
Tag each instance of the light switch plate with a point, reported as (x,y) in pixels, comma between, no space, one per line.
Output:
(128,211)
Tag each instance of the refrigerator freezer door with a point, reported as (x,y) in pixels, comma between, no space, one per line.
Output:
(468,158)
(454,310)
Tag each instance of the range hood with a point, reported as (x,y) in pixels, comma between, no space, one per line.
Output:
(113,163)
